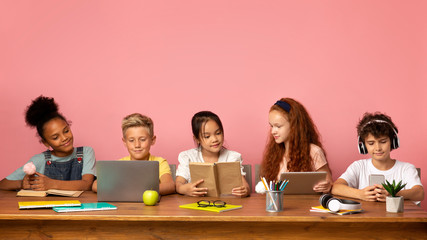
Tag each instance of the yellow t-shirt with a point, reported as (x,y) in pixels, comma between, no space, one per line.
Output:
(163,164)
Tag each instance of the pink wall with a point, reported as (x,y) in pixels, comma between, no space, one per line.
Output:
(102,60)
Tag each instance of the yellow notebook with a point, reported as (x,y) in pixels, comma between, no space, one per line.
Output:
(48,204)
(341,212)
(195,206)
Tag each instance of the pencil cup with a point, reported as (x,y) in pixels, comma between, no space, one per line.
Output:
(274,201)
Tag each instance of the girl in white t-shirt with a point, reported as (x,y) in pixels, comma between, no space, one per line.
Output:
(377,137)
(293,145)
(208,133)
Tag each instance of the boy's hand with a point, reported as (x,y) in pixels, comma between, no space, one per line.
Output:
(239,191)
(381,193)
(368,194)
(40,182)
(194,191)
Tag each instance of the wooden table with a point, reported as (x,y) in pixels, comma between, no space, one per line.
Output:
(168,221)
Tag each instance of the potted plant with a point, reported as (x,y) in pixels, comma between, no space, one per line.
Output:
(394,203)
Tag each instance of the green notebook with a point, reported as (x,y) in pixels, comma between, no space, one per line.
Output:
(195,206)
(87,207)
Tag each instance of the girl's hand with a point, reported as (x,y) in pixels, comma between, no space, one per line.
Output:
(194,191)
(26,182)
(40,182)
(368,194)
(240,191)
(323,186)
(381,193)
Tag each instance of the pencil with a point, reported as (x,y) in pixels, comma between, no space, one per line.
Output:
(268,192)
(263,182)
(281,185)
(283,188)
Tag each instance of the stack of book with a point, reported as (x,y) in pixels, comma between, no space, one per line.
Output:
(341,212)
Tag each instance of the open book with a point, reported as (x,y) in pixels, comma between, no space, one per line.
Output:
(220,178)
(32,193)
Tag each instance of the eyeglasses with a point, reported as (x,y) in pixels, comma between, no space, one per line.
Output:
(216,203)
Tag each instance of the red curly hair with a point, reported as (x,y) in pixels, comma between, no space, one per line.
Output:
(302,133)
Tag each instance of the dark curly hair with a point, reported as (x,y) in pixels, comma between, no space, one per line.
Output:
(40,111)
(377,124)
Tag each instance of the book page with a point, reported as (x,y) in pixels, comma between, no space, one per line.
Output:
(65,193)
(229,177)
(207,172)
(31,193)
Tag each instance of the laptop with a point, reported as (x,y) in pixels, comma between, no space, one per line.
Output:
(126,181)
(302,182)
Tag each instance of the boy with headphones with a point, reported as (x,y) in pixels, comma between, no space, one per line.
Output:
(377,136)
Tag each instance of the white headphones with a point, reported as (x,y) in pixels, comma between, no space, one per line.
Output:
(336,204)
(395,143)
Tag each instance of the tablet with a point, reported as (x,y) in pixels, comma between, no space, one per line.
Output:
(126,181)
(302,182)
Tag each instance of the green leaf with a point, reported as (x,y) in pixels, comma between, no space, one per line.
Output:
(393,189)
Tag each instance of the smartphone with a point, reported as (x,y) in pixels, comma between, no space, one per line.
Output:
(376,179)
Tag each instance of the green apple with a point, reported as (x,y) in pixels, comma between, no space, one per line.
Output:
(150,197)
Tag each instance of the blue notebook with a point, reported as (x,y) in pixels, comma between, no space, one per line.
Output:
(87,207)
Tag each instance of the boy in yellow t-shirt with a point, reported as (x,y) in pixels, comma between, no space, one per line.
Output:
(138,137)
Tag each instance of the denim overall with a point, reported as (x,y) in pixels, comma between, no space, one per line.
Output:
(69,170)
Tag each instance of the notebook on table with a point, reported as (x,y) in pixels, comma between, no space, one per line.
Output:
(100,206)
(195,206)
(340,212)
(48,204)
(126,181)
(302,182)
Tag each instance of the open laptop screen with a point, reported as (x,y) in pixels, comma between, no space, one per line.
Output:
(126,181)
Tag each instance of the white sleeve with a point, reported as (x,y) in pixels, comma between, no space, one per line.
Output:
(351,175)
(183,169)
(88,161)
(410,176)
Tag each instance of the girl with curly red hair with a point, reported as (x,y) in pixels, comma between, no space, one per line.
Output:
(293,145)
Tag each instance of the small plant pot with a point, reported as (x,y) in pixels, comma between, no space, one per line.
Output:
(394,204)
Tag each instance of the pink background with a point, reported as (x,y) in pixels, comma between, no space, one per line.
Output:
(102,60)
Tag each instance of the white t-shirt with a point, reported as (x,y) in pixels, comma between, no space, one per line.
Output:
(195,155)
(357,174)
